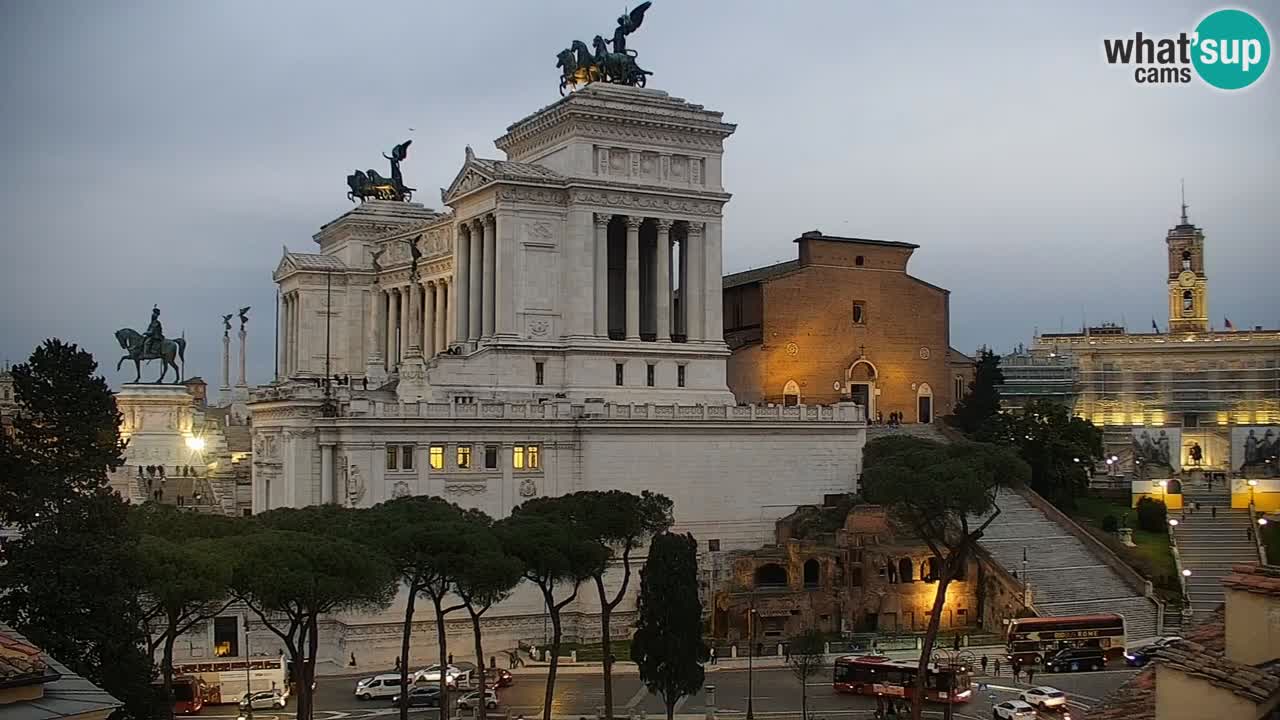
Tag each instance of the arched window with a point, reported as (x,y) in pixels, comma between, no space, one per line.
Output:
(905,570)
(924,403)
(771,576)
(811,573)
(1188,302)
(1186,259)
(932,565)
(791,393)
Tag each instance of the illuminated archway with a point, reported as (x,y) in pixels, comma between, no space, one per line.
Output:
(924,403)
(860,383)
(791,393)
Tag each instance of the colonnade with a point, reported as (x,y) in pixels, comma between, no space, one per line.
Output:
(410,320)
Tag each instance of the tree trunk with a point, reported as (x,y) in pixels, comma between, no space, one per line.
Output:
(671,710)
(804,699)
(443,643)
(481,710)
(299,669)
(606,611)
(930,635)
(166,669)
(306,699)
(404,652)
(554,612)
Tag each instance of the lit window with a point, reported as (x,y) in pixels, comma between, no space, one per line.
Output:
(859,313)
(617,373)
(517,457)
(534,457)
(226,636)
(464,456)
(406,457)
(679,376)
(491,457)
(393,454)
(437,457)
(649,372)
(538,374)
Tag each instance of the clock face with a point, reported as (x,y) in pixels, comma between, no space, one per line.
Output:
(1187,279)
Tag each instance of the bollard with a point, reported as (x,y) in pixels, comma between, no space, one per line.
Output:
(573,656)
(710,702)
(733,651)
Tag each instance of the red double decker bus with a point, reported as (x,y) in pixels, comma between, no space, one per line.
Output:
(878,675)
(188,694)
(1031,640)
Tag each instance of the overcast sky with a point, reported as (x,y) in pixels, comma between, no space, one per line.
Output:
(161,152)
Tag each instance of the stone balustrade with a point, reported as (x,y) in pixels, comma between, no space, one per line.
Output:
(564,410)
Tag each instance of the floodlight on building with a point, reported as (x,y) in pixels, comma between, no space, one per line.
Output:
(195,443)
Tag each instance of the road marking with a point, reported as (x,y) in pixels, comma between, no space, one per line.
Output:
(640,694)
(1019,691)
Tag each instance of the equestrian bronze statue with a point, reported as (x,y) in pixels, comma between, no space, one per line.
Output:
(151,345)
(579,65)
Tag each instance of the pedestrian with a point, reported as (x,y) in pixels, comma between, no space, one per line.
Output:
(995,669)
(364,383)
(353,659)
(713,655)
(786,652)
(397,663)
(984,664)
(1031,675)
(451,658)
(1213,511)
(956,644)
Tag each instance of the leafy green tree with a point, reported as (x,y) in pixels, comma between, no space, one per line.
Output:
(289,578)
(805,660)
(557,555)
(186,578)
(668,643)
(1061,449)
(1153,516)
(982,401)
(622,523)
(70,576)
(945,495)
(487,578)
(420,536)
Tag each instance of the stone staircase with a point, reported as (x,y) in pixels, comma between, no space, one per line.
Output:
(1066,578)
(1210,540)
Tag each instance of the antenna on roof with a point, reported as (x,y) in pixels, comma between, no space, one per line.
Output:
(1184,201)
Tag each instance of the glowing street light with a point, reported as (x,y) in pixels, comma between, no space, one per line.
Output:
(1262,521)
(1252,484)
(1173,522)
(1186,572)
(195,443)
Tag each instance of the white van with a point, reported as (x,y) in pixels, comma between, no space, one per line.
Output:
(379,686)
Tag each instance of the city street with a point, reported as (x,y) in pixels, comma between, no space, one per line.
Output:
(777,692)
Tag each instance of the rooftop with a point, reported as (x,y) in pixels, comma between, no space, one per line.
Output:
(746,277)
(818,235)
(1257,579)
(66,695)
(315,261)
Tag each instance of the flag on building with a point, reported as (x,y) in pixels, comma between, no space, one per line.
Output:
(1227,321)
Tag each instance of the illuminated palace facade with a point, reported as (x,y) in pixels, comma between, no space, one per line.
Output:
(1215,395)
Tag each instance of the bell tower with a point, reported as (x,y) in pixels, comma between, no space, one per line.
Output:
(1188,286)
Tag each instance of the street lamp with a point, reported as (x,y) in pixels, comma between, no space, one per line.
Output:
(1252,484)
(1163,484)
(1262,521)
(1186,572)
(1173,522)
(248,683)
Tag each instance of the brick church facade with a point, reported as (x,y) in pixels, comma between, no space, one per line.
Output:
(844,321)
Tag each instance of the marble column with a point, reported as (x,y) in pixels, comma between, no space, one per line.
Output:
(413,320)
(226,362)
(602,276)
(490,276)
(474,304)
(429,319)
(326,474)
(662,280)
(391,329)
(440,298)
(403,308)
(633,277)
(682,317)
(459,313)
(293,333)
(244,336)
(371,331)
(713,308)
(451,331)
(282,341)
(694,310)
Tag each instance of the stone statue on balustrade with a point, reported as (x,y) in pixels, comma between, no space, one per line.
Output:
(151,345)
(244,316)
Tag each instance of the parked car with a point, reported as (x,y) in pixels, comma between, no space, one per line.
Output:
(1140,656)
(1013,710)
(265,700)
(387,685)
(432,675)
(425,696)
(498,678)
(1073,659)
(471,699)
(1045,698)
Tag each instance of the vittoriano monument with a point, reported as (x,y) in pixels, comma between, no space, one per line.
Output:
(151,345)
(365,184)
(579,65)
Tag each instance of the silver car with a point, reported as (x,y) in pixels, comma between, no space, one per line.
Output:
(265,700)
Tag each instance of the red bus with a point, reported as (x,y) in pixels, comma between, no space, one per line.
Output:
(188,694)
(878,675)
(1031,640)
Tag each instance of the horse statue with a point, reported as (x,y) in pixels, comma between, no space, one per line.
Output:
(366,184)
(577,66)
(618,67)
(170,350)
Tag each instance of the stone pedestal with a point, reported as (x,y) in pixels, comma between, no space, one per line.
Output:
(1126,536)
(157,422)
(413,385)
(375,371)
